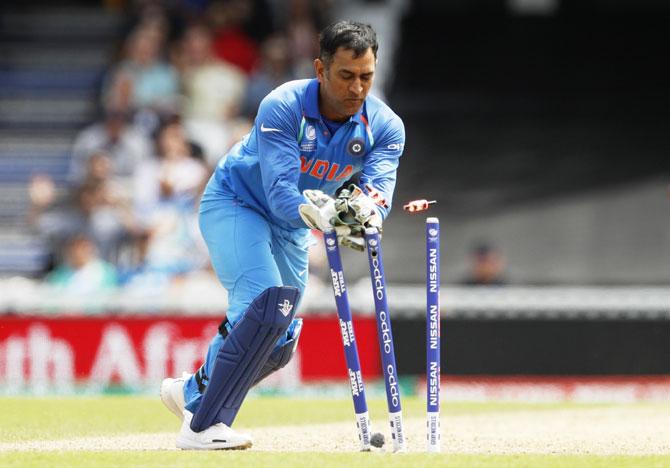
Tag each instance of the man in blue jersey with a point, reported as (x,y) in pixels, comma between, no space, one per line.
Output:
(308,139)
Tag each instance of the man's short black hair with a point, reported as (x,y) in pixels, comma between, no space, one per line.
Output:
(350,35)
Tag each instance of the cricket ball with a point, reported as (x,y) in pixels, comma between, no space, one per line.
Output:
(377,440)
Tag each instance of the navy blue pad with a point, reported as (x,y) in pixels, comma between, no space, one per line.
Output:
(281,355)
(243,354)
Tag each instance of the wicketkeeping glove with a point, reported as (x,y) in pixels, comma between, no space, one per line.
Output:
(355,239)
(353,242)
(320,212)
(356,208)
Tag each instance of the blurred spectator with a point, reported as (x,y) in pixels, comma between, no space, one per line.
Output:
(275,69)
(83,272)
(170,249)
(214,88)
(125,146)
(385,16)
(97,207)
(140,274)
(196,151)
(303,32)
(231,42)
(174,177)
(143,80)
(214,92)
(487,267)
(166,196)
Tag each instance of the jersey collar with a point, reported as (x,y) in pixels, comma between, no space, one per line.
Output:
(311,108)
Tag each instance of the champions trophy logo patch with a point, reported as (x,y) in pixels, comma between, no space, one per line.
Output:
(356,147)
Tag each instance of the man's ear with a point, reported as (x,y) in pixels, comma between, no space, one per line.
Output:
(319,69)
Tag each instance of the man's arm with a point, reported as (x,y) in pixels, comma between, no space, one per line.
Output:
(379,169)
(279,158)
(354,208)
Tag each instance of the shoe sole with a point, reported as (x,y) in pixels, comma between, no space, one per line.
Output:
(168,400)
(190,445)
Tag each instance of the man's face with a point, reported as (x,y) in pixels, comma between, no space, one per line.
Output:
(80,252)
(345,83)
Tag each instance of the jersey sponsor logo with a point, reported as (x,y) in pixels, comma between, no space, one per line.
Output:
(322,169)
(265,129)
(395,146)
(356,147)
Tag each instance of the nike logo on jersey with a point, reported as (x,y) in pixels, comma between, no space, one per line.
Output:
(268,129)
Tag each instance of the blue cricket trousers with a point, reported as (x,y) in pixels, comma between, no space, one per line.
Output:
(249,254)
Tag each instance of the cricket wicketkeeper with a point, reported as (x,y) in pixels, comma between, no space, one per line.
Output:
(309,137)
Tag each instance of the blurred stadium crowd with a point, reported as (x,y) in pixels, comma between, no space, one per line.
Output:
(113,114)
(543,134)
(183,87)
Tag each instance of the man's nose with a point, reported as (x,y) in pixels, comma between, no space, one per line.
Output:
(356,87)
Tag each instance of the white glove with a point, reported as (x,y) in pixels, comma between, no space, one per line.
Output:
(320,213)
(356,208)
(356,243)
(355,239)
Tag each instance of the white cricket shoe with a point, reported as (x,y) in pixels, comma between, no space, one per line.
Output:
(172,394)
(216,437)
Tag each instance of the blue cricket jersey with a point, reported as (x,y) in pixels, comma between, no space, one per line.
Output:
(290,149)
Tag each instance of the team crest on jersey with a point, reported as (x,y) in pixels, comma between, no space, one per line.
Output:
(356,147)
(310,132)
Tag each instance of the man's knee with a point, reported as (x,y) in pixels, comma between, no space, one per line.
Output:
(283,353)
(243,354)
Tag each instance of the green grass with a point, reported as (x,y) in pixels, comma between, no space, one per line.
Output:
(322,460)
(62,418)
(43,418)
(24,419)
